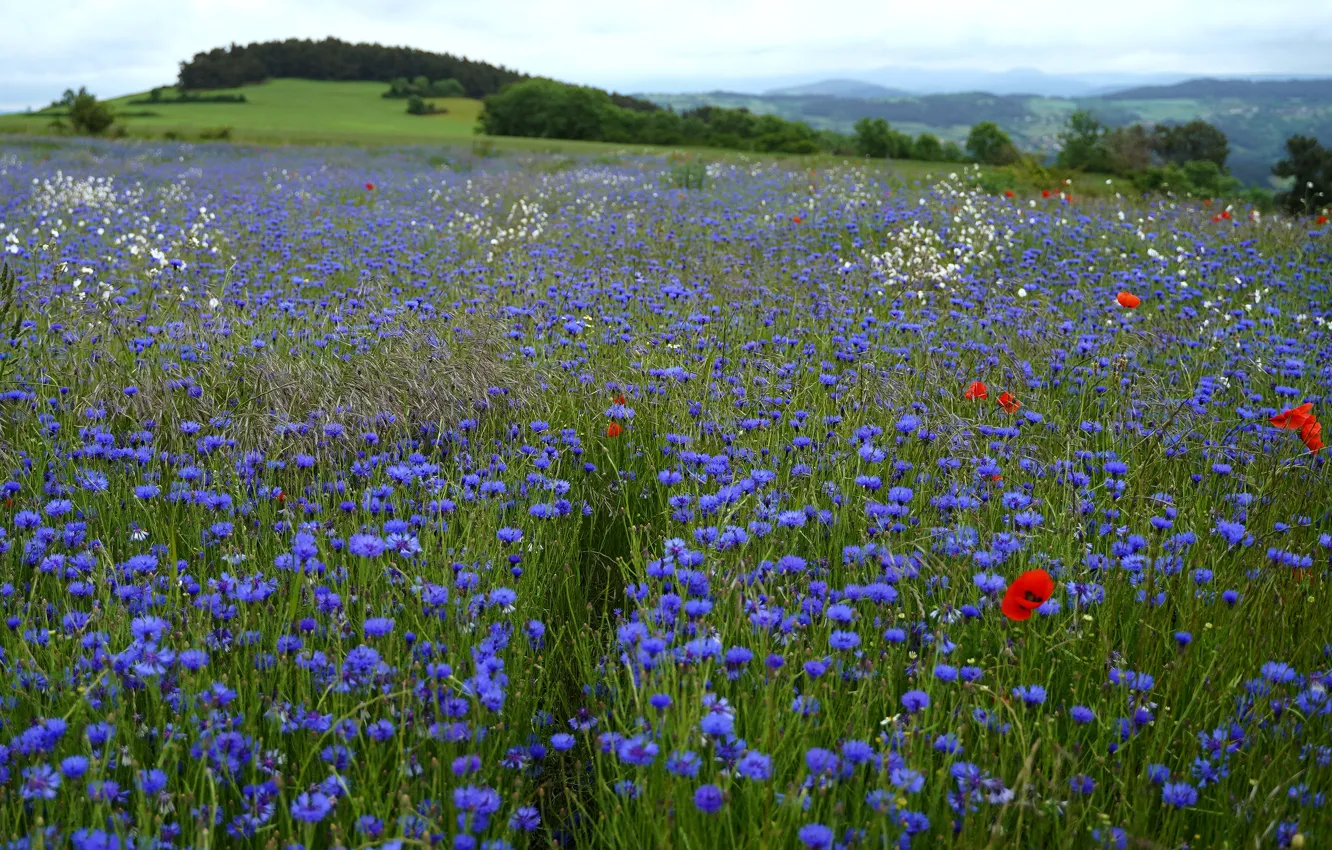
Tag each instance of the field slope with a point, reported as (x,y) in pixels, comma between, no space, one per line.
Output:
(287,110)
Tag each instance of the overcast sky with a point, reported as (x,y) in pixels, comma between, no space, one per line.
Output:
(118,46)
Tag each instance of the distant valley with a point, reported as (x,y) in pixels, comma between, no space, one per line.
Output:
(1256,115)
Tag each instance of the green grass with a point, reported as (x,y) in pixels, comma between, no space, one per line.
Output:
(290,111)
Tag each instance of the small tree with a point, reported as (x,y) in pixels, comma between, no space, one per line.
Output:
(1082,144)
(447,88)
(987,144)
(873,138)
(1128,149)
(88,115)
(1194,141)
(927,148)
(1310,165)
(952,152)
(415,105)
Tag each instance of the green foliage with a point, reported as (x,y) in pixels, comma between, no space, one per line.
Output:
(875,138)
(1201,178)
(872,137)
(1309,166)
(1191,142)
(67,99)
(989,145)
(215,134)
(156,97)
(543,108)
(88,115)
(1082,145)
(927,147)
(334,59)
(550,110)
(1128,149)
(422,87)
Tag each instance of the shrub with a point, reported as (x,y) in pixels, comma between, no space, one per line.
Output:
(1082,145)
(927,148)
(1201,178)
(1309,165)
(987,144)
(1195,141)
(88,115)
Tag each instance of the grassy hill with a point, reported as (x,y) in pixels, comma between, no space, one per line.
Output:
(285,110)
(1256,117)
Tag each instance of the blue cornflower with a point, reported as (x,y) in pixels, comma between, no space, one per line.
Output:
(378,627)
(40,782)
(684,763)
(311,806)
(844,640)
(525,818)
(755,765)
(1179,794)
(815,836)
(637,750)
(914,701)
(1081,714)
(1232,532)
(708,799)
(907,779)
(74,766)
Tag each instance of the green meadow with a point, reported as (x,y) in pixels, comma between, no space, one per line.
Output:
(284,110)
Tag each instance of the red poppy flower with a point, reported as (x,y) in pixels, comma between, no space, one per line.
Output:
(369,187)
(1128,300)
(1293,419)
(1225,214)
(977,391)
(619,399)
(1027,594)
(1045,193)
(795,218)
(1009,193)
(1312,435)
(1321,220)
(614,429)
(1207,202)
(1216,218)
(1008,403)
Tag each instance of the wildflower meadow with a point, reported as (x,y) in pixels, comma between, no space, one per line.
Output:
(388,499)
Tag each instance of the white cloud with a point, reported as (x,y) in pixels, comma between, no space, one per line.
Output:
(123,45)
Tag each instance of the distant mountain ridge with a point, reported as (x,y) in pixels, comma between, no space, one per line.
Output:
(838,88)
(1211,87)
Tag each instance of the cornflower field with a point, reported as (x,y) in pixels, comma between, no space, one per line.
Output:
(371,499)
